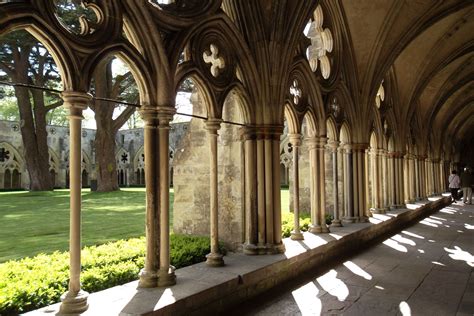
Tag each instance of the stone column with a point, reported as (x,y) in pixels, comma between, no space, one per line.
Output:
(401,183)
(336,222)
(384,177)
(251,238)
(74,301)
(348,181)
(166,275)
(149,274)
(269,208)
(214,258)
(376,183)
(391,180)
(362,184)
(322,184)
(261,189)
(277,238)
(295,140)
(315,227)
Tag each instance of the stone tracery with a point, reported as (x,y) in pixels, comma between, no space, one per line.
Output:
(262,81)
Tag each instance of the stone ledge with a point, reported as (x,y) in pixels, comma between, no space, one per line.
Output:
(202,289)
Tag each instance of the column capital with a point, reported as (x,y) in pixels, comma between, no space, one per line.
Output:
(76,102)
(333,145)
(213,125)
(295,139)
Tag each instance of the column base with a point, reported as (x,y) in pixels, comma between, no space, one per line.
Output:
(215,260)
(315,229)
(263,249)
(250,249)
(166,277)
(336,223)
(73,303)
(375,210)
(349,220)
(363,219)
(147,279)
(296,236)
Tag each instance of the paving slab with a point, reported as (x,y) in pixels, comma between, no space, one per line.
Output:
(425,269)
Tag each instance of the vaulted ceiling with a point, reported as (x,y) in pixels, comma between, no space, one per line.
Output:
(429,47)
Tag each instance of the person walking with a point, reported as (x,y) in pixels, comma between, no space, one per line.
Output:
(454,183)
(466,183)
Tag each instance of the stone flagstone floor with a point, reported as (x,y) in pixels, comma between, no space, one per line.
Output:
(427,269)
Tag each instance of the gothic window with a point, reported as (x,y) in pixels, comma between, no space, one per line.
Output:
(321,44)
(124,158)
(78,17)
(4,154)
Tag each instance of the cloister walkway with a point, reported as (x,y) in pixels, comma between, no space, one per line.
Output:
(427,264)
(426,269)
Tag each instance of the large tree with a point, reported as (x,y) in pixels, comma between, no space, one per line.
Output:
(119,87)
(24,60)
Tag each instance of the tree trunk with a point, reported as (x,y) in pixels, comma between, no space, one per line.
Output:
(105,135)
(33,132)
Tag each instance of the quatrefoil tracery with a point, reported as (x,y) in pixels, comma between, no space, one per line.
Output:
(321,44)
(217,62)
(296,92)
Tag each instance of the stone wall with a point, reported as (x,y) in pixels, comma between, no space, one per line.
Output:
(191,178)
(129,148)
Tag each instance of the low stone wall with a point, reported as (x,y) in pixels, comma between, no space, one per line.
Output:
(245,286)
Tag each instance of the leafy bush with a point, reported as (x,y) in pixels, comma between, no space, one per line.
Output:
(287,223)
(31,283)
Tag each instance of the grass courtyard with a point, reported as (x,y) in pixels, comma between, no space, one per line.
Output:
(38,222)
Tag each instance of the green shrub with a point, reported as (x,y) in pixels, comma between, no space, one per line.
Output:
(287,221)
(31,283)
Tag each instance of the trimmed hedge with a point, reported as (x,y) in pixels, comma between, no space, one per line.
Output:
(287,223)
(31,283)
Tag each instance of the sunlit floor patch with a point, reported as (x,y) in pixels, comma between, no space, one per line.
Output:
(458,254)
(395,245)
(403,240)
(405,309)
(412,234)
(334,286)
(306,297)
(354,268)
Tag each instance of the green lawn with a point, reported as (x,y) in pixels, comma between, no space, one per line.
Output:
(35,222)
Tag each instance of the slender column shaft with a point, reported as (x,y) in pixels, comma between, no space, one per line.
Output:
(295,140)
(251,193)
(75,199)
(149,276)
(261,191)
(401,183)
(336,221)
(322,184)
(314,166)
(166,273)
(269,191)
(214,258)
(349,185)
(277,192)
(163,132)
(355,182)
(75,300)
(361,184)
